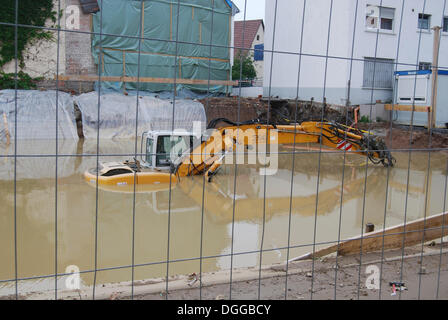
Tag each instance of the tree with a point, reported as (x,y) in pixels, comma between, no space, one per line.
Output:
(248,69)
(13,41)
(30,13)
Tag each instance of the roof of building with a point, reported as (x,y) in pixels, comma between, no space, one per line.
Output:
(250,29)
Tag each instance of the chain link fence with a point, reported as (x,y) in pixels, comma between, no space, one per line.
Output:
(324,224)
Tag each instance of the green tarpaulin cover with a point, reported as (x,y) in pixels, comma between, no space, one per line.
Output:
(201,23)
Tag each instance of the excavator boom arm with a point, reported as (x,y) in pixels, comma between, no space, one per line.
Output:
(208,155)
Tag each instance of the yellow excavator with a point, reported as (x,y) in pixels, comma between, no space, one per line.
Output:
(168,156)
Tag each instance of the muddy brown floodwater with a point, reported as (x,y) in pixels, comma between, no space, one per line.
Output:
(157,222)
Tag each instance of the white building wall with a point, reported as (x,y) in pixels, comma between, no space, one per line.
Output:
(317,80)
(232,43)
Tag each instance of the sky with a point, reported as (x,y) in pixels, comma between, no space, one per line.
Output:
(255,9)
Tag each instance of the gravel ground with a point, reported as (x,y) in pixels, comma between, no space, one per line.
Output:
(421,283)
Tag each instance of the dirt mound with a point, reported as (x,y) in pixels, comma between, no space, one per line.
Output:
(234,108)
(401,139)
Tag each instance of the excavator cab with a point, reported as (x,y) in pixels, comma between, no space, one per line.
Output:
(159,149)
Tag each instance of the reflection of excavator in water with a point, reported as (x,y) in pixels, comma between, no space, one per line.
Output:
(220,202)
(169,156)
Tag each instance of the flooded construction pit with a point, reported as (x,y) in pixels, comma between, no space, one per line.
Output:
(192,224)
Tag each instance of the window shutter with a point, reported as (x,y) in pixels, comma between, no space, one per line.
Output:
(379,70)
(387,13)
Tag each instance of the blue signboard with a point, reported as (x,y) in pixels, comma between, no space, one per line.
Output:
(259,52)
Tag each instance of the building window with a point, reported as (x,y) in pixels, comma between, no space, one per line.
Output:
(380,18)
(424,66)
(424,21)
(445,24)
(378,73)
(258,37)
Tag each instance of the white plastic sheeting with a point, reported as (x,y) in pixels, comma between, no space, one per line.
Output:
(117,114)
(36,114)
(36,117)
